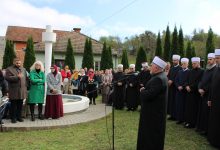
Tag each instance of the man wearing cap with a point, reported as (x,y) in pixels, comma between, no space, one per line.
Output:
(180,83)
(193,96)
(132,89)
(204,88)
(172,88)
(153,96)
(143,76)
(119,88)
(214,102)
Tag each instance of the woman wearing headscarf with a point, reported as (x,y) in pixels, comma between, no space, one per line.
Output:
(54,103)
(75,81)
(91,86)
(106,82)
(36,92)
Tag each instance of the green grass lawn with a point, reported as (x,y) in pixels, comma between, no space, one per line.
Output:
(93,136)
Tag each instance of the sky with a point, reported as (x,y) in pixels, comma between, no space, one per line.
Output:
(123,18)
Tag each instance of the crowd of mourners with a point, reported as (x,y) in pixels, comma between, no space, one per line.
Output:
(193,93)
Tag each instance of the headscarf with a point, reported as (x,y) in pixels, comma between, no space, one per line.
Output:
(75,74)
(91,74)
(56,70)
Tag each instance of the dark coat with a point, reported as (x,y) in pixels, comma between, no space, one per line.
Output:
(17,87)
(203,113)
(119,90)
(193,97)
(132,91)
(172,91)
(152,123)
(214,117)
(91,87)
(181,80)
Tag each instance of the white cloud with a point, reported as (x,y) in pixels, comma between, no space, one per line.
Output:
(21,13)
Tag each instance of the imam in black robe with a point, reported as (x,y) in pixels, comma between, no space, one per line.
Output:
(202,122)
(193,97)
(152,123)
(172,92)
(214,117)
(119,90)
(132,91)
(180,80)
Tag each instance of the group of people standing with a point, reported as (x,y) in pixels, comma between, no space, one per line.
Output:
(194,95)
(31,87)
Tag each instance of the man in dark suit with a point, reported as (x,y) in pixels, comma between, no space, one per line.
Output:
(16,77)
(153,96)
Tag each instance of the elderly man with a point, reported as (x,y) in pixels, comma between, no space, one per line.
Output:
(193,96)
(172,88)
(119,88)
(154,96)
(214,102)
(132,89)
(16,77)
(180,83)
(204,89)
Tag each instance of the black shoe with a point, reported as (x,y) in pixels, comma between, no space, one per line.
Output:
(40,116)
(1,122)
(13,121)
(32,118)
(94,103)
(171,118)
(179,122)
(20,120)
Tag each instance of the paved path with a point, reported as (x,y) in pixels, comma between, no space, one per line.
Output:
(92,113)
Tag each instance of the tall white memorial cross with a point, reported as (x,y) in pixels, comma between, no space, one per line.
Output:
(49,37)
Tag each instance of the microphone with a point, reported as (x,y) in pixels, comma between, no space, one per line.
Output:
(132,74)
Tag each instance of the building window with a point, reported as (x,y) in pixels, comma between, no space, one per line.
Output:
(97,65)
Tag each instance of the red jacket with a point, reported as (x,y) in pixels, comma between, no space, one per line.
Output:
(65,74)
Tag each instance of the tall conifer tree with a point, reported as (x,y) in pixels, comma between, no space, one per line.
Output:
(124,60)
(181,43)
(174,44)
(210,46)
(141,57)
(29,58)
(167,48)
(158,51)
(69,58)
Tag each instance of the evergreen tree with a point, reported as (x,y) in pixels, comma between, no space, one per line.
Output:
(189,52)
(110,57)
(166,54)
(158,51)
(52,59)
(181,43)
(88,60)
(141,57)
(69,58)
(104,58)
(6,57)
(124,59)
(193,52)
(210,46)
(174,45)
(29,58)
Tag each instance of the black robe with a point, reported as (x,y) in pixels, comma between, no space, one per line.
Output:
(203,113)
(119,90)
(193,97)
(181,80)
(143,78)
(132,91)
(151,133)
(214,117)
(91,87)
(172,91)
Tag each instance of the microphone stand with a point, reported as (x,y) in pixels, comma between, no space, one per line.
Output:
(113,110)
